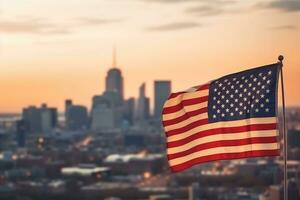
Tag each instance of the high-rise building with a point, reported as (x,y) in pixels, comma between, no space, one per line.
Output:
(40,120)
(114,80)
(21,130)
(162,90)
(76,116)
(128,110)
(143,105)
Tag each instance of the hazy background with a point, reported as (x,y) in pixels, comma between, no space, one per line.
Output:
(51,50)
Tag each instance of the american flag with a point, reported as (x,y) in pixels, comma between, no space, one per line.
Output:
(232,117)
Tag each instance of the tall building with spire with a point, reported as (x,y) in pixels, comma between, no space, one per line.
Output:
(114,79)
(143,110)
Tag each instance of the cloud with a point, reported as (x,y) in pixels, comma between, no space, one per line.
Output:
(97,21)
(282,5)
(285,27)
(205,10)
(32,26)
(171,1)
(174,26)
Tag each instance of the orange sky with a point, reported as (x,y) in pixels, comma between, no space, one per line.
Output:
(48,54)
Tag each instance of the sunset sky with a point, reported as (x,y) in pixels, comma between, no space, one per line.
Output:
(51,50)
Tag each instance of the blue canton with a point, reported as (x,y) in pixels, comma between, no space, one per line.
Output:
(243,95)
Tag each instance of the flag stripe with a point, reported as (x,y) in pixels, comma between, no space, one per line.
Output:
(243,122)
(220,143)
(186,96)
(184,103)
(225,130)
(185,122)
(187,127)
(221,150)
(224,156)
(220,137)
(201,87)
(185,113)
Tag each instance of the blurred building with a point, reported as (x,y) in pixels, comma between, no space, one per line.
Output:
(143,104)
(114,80)
(21,131)
(162,90)
(128,110)
(76,116)
(40,120)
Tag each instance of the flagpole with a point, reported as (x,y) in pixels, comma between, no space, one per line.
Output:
(285,174)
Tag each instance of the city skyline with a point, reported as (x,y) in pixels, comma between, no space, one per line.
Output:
(49,55)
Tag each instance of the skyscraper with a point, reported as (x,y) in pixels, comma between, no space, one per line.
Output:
(162,89)
(114,80)
(142,111)
(76,116)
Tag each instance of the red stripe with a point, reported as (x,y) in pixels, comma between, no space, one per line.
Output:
(224,130)
(184,117)
(187,127)
(201,87)
(224,143)
(226,156)
(175,108)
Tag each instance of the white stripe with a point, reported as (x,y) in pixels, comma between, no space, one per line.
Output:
(222,150)
(185,96)
(221,137)
(223,124)
(184,110)
(186,122)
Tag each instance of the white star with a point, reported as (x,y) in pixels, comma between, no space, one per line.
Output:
(215,89)
(229,83)
(262,95)
(236,91)
(227,100)
(256,110)
(225,80)
(231,105)
(231,96)
(267,100)
(263,87)
(254,88)
(241,104)
(256,100)
(214,107)
(252,105)
(264,78)
(262,105)
(251,76)
(249,93)
(255,79)
(258,91)
(236,100)
(218,102)
(214,116)
(241,86)
(241,112)
(231,114)
(259,83)
(234,79)
(268,81)
(250,84)
(248,111)
(222,97)
(227,110)
(215,98)
(232,87)
(246,81)
(220,84)
(222,114)
(245,99)
(243,77)
(236,109)
(237,82)
(223,88)
(227,91)
(267,109)
(218,111)
(245,107)
(268,91)
(245,90)
(240,95)
(260,74)
(222,105)
(269,72)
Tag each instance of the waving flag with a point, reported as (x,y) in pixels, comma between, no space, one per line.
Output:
(229,118)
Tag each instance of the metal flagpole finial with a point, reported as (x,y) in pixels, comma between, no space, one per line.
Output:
(280,58)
